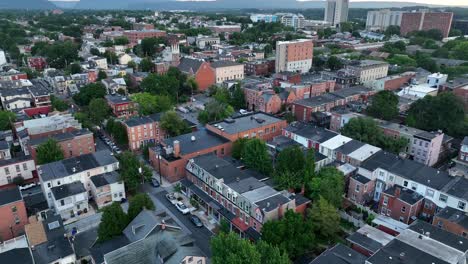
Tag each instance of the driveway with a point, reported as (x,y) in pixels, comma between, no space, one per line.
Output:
(202,235)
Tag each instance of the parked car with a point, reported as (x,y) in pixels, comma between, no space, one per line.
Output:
(171,198)
(182,208)
(155,183)
(196,221)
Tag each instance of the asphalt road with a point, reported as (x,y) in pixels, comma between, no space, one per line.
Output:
(201,235)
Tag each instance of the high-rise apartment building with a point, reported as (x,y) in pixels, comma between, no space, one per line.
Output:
(293,20)
(336,11)
(381,19)
(416,21)
(294,56)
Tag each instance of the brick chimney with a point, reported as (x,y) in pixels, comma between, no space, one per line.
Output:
(397,192)
(176,146)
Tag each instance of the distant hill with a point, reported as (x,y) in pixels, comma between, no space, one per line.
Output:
(26,4)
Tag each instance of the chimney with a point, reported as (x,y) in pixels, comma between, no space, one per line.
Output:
(176,146)
(397,192)
(280,211)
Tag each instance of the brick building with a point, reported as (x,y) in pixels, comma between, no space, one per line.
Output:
(462,93)
(135,36)
(200,70)
(13,213)
(258,68)
(294,56)
(264,100)
(368,70)
(144,130)
(360,189)
(73,143)
(401,204)
(37,63)
(393,82)
(225,29)
(416,21)
(122,106)
(257,125)
(227,71)
(452,220)
(142,26)
(170,161)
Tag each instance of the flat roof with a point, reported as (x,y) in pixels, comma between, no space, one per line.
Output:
(203,139)
(246,122)
(335,142)
(364,152)
(11,195)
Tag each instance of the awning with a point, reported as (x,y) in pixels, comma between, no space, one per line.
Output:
(252,234)
(226,213)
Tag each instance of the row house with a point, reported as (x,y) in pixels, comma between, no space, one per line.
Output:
(262,99)
(13,75)
(439,189)
(355,152)
(73,143)
(144,130)
(256,125)
(343,78)
(35,95)
(76,169)
(422,242)
(171,159)
(259,68)
(37,63)
(401,204)
(227,192)
(368,70)
(13,212)
(107,188)
(461,161)
(22,167)
(360,189)
(69,200)
(115,85)
(307,135)
(98,62)
(227,71)
(135,36)
(308,90)
(452,220)
(122,106)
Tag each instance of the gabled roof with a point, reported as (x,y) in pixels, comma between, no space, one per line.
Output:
(67,190)
(189,65)
(340,254)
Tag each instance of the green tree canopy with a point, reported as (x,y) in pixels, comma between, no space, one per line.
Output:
(117,130)
(49,151)
(58,104)
(214,111)
(146,65)
(99,110)
(113,222)
(101,75)
(328,183)
(292,234)
(150,104)
(173,124)
(238,147)
(289,169)
(326,220)
(444,111)
(256,156)
(137,203)
(271,255)
(230,249)
(130,167)
(384,105)
(89,92)
(6,118)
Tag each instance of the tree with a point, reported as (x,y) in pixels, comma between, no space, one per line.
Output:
(133,65)
(18,180)
(271,255)
(392,30)
(238,148)
(113,222)
(256,156)
(461,51)
(384,105)
(130,167)
(215,110)
(101,75)
(137,203)
(146,65)
(328,183)
(173,124)
(89,92)
(149,104)
(367,130)
(394,47)
(75,68)
(425,61)
(289,170)
(238,98)
(121,40)
(444,111)
(6,119)
(111,57)
(334,63)
(117,130)
(291,234)
(99,110)
(455,33)
(49,151)
(149,45)
(230,249)
(326,220)
(58,104)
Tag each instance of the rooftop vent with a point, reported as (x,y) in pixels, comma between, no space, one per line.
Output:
(192,138)
(229,120)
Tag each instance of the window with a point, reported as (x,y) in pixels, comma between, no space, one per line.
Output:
(18,169)
(430,193)
(14,209)
(48,185)
(405,183)
(414,186)
(403,209)
(190,259)
(464,234)
(62,202)
(200,261)
(381,173)
(385,200)
(440,224)
(402,219)
(9,179)
(443,198)
(25,166)
(358,187)
(461,205)
(391,178)
(7,170)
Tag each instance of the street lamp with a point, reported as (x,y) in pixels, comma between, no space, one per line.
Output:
(140,170)
(159,164)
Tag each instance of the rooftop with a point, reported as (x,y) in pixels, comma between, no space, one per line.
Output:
(60,137)
(197,141)
(245,122)
(105,179)
(8,196)
(340,254)
(67,190)
(224,63)
(406,195)
(117,99)
(314,133)
(455,216)
(71,166)
(143,120)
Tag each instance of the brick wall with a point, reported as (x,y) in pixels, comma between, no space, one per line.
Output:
(8,219)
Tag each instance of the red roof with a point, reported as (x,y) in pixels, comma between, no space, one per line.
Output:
(240,224)
(43,110)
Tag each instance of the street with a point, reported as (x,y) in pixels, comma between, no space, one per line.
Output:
(201,236)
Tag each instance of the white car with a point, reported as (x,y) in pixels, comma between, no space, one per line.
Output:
(171,198)
(182,208)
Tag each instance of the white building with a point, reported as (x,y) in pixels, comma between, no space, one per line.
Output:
(267,18)
(336,11)
(80,168)
(293,20)
(368,70)
(294,56)
(107,188)
(22,166)
(437,79)
(2,58)
(381,19)
(70,200)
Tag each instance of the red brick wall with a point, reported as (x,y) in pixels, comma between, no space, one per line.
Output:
(78,146)
(450,226)
(205,77)
(397,82)
(462,93)
(395,205)
(359,197)
(410,22)
(441,21)
(7,219)
(300,51)
(278,126)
